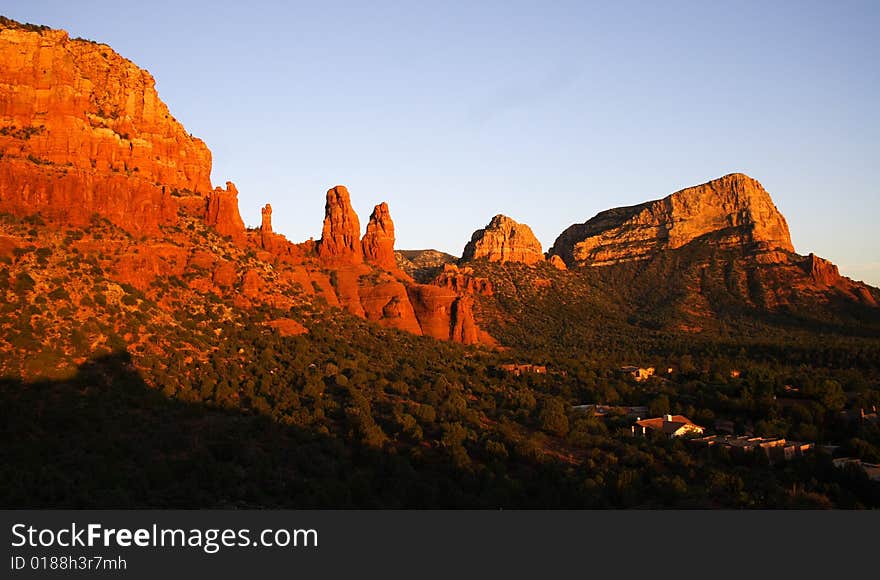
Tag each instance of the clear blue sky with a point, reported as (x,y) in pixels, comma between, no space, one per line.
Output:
(545,111)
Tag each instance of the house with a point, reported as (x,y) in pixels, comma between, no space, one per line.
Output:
(669,425)
(860,415)
(518,369)
(872,470)
(610,410)
(776,448)
(638,373)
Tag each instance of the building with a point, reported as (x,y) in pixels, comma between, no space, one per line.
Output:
(872,470)
(638,373)
(669,425)
(611,410)
(776,448)
(518,369)
(860,415)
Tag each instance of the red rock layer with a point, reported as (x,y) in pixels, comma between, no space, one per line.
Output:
(83,131)
(734,210)
(287,327)
(378,241)
(388,304)
(266,224)
(557,263)
(341,236)
(446,314)
(462,280)
(504,240)
(464,329)
(821,271)
(222,213)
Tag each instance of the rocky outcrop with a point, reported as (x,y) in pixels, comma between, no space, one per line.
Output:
(355,281)
(462,280)
(557,262)
(387,303)
(266,223)
(221,212)
(287,327)
(424,258)
(140,266)
(83,132)
(224,274)
(422,265)
(733,210)
(378,242)
(340,241)
(464,329)
(446,314)
(276,248)
(8,245)
(504,240)
(821,271)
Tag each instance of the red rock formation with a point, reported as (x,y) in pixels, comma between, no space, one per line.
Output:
(221,212)
(287,327)
(464,329)
(266,225)
(224,275)
(141,265)
(278,247)
(462,280)
(82,131)
(733,210)
(504,240)
(252,284)
(821,271)
(557,263)
(378,242)
(314,282)
(445,314)
(433,309)
(341,237)
(387,303)
(346,282)
(7,247)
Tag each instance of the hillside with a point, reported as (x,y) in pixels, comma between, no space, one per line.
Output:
(156,353)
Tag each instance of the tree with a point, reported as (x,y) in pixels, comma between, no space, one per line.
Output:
(553,417)
(659,406)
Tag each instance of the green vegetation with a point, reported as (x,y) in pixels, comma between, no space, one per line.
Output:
(161,397)
(23,133)
(12,24)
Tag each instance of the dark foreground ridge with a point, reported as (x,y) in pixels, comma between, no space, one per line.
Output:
(104,439)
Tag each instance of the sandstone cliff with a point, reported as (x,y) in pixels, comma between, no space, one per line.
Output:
(733,210)
(361,275)
(83,131)
(462,280)
(378,242)
(341,236)
(221,212)
(446,314)
(504,240)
